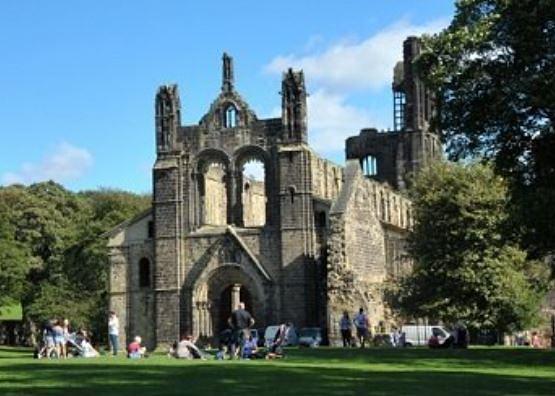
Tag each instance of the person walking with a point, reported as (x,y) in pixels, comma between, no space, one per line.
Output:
(361,324)
(240,322)
(345,327)
(113,332)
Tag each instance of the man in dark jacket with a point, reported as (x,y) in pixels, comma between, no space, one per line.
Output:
(240,322)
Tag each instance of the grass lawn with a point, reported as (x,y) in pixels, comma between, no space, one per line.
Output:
(305,372)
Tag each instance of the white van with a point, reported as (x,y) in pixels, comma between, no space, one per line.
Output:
(420,334)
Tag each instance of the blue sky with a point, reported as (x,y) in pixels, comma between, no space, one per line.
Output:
(78,77)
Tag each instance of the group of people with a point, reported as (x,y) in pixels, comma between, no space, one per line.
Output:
(243,345)
(362,326)
(58,341)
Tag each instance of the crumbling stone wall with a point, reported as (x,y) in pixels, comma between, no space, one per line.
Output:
(357,248)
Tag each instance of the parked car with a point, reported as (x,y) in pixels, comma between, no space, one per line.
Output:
(270,334)
(416,335)
(310,337)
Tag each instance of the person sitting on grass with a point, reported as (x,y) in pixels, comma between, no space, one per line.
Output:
(280,340)
(186,349)
(135,350)
(249,348)
(87,350)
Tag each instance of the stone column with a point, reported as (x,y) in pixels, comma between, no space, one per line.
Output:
(235,296)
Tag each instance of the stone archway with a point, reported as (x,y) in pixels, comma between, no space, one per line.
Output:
(218,292)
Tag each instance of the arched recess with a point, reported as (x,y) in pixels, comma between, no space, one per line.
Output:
(253,196)
(212,187)
(144,272)
(212,304)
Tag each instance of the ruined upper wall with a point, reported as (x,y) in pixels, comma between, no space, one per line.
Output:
(327,177)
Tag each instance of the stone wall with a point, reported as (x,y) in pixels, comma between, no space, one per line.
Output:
(365,221)
(254,203)
(215,196)
(326,177)
(133,303)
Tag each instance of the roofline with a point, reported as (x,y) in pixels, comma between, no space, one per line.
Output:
(126,223)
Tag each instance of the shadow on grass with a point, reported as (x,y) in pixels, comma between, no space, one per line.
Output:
(475,358)
(252,378)
(9,352)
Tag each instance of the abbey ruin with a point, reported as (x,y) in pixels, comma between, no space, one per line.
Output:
(309,241)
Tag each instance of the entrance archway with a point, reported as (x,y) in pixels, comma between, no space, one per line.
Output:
(220,290)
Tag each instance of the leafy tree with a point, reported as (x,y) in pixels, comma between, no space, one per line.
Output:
(52,257)
(14,262)
(494,71)
(465,268)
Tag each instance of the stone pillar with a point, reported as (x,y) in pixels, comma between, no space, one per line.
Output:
(235,296)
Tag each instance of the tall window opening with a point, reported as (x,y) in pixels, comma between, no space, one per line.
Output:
(253,196)
(369,166)
(230,120)
(144,272)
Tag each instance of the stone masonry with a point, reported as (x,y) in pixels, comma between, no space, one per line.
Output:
(309,241)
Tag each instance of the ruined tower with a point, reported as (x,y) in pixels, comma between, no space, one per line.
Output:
(394,156)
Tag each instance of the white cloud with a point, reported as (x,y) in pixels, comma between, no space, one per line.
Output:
(348,66)
(343,69)
(331,120)
(65,163)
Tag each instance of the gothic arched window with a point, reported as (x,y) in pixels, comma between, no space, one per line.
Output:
(230,117)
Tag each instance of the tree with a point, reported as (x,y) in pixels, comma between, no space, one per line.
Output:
(494,71)
(15,262)
(52,258)
(465,268)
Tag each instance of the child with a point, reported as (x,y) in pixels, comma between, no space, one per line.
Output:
(249,348)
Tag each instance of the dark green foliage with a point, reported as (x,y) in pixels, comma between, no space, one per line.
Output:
(466,268)
(494,71)
(52,258)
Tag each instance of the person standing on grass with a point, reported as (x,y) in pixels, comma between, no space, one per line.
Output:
(345,327)
(65,328)
(240,322)
(361,324)
(113,332)
(58,332)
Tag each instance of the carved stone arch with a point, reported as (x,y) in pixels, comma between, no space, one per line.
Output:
(210,155)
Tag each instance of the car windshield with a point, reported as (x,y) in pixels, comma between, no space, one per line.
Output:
(309,333)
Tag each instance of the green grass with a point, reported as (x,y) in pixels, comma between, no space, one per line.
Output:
(305,372)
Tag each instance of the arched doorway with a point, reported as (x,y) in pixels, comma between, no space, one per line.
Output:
(220,291)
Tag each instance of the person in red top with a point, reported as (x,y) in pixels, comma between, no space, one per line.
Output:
(135,350)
